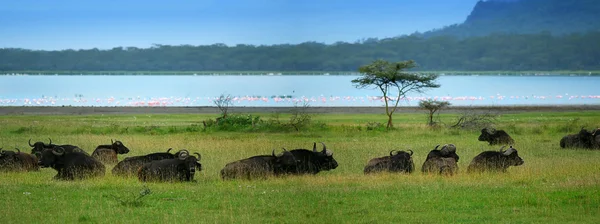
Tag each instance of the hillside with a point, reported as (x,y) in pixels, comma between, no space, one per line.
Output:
(526,16)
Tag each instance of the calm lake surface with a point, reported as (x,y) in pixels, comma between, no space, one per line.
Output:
(286,90)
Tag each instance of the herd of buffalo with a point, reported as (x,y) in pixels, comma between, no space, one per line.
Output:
(71,162)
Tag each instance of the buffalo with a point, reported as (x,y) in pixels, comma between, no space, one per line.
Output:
(261,166)
(40,147)
(442,161)
(400,162)
(108,153)
(71,165)
(17,161)
(495,137)
(584,139)
(130,165)
(495,161)
(181,168)
(313,162)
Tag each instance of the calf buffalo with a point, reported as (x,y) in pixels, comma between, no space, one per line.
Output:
(495,137)
(260,166)
(130,165)
(40,147)
(401,162)
(181,168)
(71,165)
(496,161)
(442,161)
(584,139)
(313,162)
(108,153)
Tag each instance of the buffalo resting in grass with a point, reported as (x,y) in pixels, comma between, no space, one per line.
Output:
(262,166)
(584,139)
(495,137)
(400,162)
(442,161)
(71,165)
(40,147)
(17,161)
(130,165)
(108,153)
(313,162)
(181,168)
(495,161)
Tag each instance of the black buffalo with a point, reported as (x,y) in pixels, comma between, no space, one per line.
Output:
(401,162)
(40,147)
(313,162)
(495,161)
(584,139)
(262,166)
(130,165)
(17,161)
(71,165)
(495,137)
(442,161)
(108,153)
(181,168)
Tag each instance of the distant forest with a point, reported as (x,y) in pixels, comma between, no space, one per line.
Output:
(498,52)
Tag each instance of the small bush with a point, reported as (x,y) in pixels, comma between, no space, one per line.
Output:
(136,200)
(375,126)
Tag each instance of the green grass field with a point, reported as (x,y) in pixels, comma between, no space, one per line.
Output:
(553,186)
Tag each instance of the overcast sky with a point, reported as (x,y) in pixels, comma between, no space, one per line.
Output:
(85,24)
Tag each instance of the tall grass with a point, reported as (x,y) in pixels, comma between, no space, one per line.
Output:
(554,185)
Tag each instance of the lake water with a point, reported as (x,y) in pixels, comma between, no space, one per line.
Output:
(286,90)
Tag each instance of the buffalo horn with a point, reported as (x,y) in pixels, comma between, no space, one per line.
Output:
(451,148)
(509,151)
(199,156)
(59,151)
(111,142)
(314,147)
(445,150)
(183,154)
(168,150)
(324,147)
(18,150)
(392,152)
(50,141)
(273,153)
(30,143)
(436,147)
(411,152)
(501,148)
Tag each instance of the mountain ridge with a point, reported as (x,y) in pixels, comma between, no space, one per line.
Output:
(557,17)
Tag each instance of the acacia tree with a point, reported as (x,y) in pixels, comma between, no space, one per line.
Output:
(223,102)
(387,76)
(432,106)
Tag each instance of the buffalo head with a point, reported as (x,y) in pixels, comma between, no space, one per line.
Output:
(50,157)
(39,147)
(325,157)
(119,147)
(512,156)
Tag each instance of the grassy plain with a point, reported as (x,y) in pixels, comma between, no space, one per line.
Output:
(553,186)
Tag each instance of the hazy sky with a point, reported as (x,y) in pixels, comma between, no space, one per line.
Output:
(76,24)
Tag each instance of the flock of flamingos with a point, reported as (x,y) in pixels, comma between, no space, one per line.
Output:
(287,100)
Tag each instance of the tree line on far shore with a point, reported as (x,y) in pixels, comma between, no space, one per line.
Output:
(498,52)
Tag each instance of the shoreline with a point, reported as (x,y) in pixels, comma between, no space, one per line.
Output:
(41,110)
